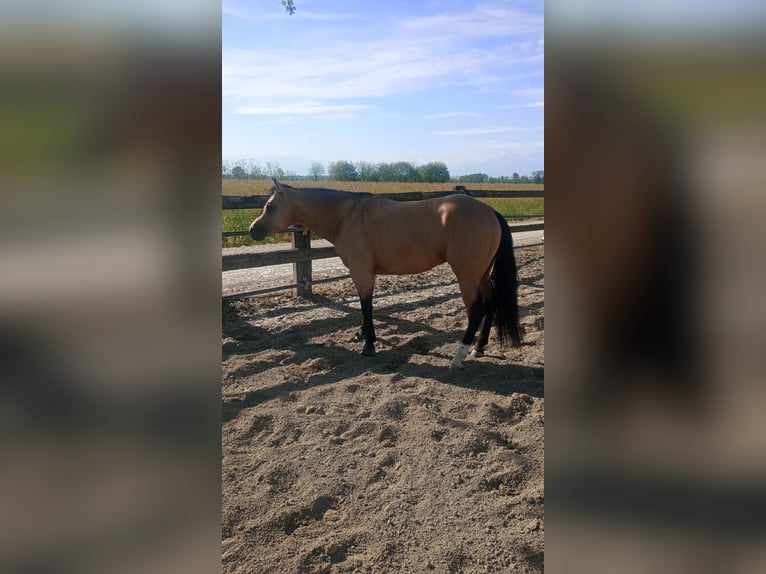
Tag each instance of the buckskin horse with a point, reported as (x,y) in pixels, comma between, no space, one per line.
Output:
(374,235)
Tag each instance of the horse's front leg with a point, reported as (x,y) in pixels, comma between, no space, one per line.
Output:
(365,283)
(367,327)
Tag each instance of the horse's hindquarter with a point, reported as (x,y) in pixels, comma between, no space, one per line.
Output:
(472,232)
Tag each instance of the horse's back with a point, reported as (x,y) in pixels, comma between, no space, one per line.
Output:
(463,210)
(450,209)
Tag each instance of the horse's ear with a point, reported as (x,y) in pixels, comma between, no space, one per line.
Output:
(277,186)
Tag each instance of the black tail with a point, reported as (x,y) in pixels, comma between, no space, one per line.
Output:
(505,286)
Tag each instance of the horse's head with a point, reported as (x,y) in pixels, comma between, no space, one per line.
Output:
(276,215)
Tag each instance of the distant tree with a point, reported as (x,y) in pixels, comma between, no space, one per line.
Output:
(256,171)
(273,169)
(316,170)
(400,171)
(343,171)
(434,172)
(367,171)
(404,171)
(386,172)
(474,178)
(239,169)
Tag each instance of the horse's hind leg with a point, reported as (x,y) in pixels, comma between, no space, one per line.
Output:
(474,303)
(489,316)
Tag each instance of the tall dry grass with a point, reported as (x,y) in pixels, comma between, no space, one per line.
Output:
(263,186)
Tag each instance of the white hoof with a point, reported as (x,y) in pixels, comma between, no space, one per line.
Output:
(456,364)
(457,360)
(476,354)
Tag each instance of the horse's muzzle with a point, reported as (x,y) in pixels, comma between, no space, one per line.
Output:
(257,232)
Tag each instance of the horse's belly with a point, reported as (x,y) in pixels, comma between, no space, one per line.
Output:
(406,266)
(407,254)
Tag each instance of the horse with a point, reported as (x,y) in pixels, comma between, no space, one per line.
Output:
(374,235)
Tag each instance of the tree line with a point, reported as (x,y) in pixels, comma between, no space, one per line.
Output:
(244,169)
(536,177)
(433,172)
(400,171)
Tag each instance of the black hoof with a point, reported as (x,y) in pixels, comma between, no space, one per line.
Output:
(368,351)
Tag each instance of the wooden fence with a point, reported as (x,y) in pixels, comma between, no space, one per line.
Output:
(301,254)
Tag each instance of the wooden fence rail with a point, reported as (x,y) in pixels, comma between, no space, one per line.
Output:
(301,254)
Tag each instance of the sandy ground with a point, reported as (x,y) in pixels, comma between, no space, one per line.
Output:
(333,462)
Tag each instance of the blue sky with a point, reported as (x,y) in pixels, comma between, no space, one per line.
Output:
(458,82)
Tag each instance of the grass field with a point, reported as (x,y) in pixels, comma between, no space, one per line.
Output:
(240,219)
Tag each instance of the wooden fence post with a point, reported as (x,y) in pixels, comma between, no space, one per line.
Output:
(302,269)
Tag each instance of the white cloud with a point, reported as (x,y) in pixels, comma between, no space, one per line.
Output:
(452,115)
(284,120)
(477,131)
(337,116)
(449,70)
(524,148)
(536,93)
(532,92)
(231,9)
(299,108)
(349,70)
(405,58)
(482,21)
(371,69)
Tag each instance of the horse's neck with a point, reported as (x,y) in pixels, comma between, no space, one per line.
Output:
(320,213)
